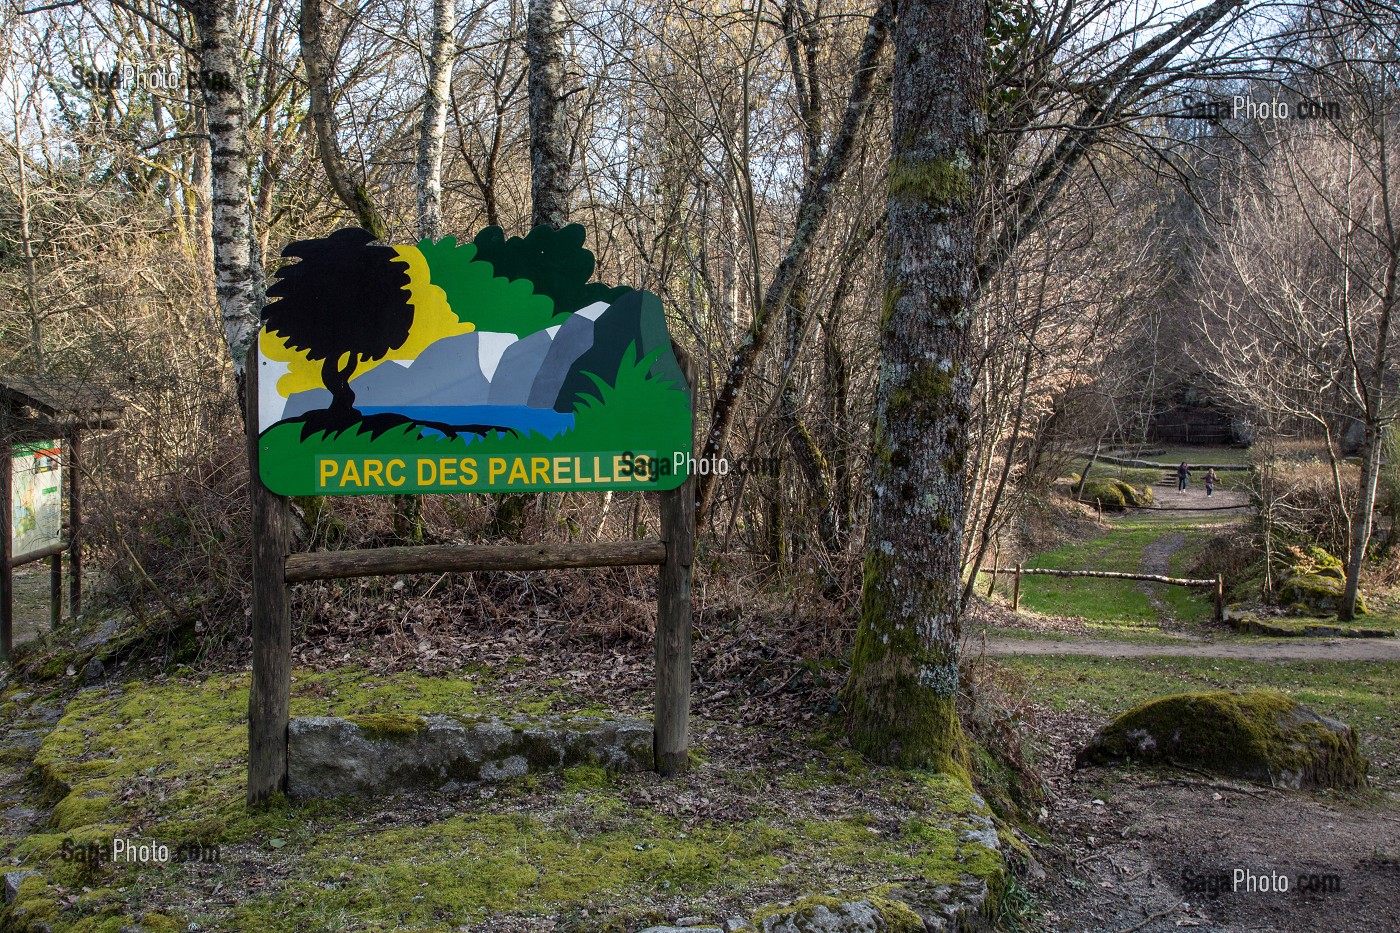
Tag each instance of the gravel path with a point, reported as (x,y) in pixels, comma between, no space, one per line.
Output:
(1292,649)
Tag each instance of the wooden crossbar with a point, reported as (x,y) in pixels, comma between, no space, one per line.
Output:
(1108,574)
(373,562)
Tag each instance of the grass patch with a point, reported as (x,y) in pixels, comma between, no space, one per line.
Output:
(1363,694)
(164,762)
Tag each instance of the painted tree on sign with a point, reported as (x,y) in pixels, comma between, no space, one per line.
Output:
(904,673)
(344,303)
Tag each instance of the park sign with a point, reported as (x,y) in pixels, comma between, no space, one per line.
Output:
(493,366)
(36,498)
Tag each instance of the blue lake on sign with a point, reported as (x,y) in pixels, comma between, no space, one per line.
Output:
(545,421)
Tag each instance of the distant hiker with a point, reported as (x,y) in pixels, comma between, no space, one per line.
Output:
(1210,481)
(1183,473)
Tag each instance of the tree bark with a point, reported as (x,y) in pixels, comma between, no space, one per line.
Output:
(238,278)
(545,31)
(434,128)
(318,64)
(904,671)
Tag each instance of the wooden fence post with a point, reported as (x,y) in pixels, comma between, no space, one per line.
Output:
(1219,598)
(55,590)
(673,622)
(75,526)
(269,697)
(7,571)
(1016,590)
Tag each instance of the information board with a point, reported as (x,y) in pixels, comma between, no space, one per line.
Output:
(36,497)
(493,366)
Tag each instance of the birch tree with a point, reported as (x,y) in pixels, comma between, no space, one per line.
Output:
(904,671)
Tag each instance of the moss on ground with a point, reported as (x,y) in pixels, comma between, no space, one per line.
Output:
(1261,735)
(164,762)
(389,725)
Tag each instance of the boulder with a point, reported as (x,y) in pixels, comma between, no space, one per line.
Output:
(1258,735)
(13,879)
(1315,594)
(383,754)
(834,915)
(1115,495)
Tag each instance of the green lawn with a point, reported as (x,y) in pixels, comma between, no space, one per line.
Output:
(1119,608)
(1364,694)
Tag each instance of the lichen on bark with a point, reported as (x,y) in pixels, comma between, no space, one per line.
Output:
(904,672)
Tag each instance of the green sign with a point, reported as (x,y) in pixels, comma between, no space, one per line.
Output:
(494,366)
(36,497)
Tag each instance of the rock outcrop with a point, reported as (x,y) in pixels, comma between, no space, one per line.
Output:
(1259,735)
(376,755)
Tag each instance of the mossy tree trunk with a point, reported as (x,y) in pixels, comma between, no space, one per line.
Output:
(904,673)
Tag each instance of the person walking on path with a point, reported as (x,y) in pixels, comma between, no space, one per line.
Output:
(1210,482)
(1183,473)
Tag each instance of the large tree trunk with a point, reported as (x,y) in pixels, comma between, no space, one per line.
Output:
(904,671)
(434,127)
(239,285)
(550,162)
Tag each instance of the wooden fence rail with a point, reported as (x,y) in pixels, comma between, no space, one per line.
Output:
(372,562)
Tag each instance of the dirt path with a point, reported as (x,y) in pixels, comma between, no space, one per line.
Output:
(1143,850)
(1191,503)
(1293,649)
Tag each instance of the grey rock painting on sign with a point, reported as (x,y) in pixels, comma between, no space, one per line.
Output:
(544,370)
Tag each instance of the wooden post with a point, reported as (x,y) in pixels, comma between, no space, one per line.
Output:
(75,526)
(7,571)
(1016,590)
(1219,598)
(269,698)
(55,591)
(673,622)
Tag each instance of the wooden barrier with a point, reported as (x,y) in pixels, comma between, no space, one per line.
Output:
(377,562)
(274,570)
(1217,584)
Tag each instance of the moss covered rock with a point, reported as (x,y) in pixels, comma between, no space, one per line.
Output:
(1258,735)
(1315,594)
(833,915)
(370,755)
(1115,495)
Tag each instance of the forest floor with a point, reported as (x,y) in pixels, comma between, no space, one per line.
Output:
(1142,850)
(776,806)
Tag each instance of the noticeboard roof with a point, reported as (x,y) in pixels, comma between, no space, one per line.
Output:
(56,403)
